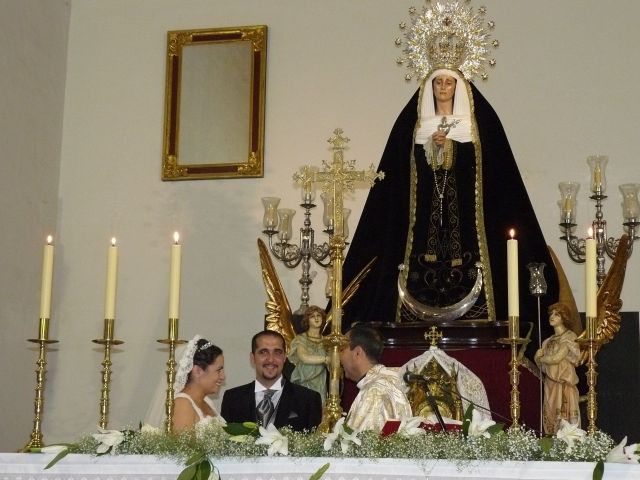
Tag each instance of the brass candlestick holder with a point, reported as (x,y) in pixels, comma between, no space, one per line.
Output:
(107,340)
(514,341)
(332,407)
(592,344)
(172,341)
(42,340)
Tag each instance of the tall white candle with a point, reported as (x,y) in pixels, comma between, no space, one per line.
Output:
(47,278)
(512,276)
(174,278)
(591,284)
(112,280)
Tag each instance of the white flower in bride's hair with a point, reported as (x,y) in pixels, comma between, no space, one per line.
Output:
(624,454)
(277,442)
(411,426)
(570,433)
(346,435)
(109,440)
(478,427)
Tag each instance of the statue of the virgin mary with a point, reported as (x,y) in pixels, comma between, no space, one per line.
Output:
(452,189)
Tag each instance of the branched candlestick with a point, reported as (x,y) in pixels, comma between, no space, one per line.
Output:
(107,340)
(42,340)
(278,222)
(606,246)
(172,341)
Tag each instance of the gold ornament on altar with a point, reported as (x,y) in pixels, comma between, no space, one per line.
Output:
(447,35)
(335,177)
(443,387)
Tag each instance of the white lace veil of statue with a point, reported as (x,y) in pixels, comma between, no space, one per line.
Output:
(469,385)
(156,412)
(428,120)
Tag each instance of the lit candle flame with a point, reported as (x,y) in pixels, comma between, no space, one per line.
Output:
(590,232)
(49,240)
(113,241)
(176,237)
(512,233)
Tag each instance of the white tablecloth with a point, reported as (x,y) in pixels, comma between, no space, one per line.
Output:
(25,466)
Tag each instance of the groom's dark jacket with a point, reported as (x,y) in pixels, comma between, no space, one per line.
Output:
(299,407)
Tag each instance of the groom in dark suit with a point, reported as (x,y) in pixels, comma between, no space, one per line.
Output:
(271,399)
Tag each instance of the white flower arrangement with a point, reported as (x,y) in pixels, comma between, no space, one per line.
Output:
(276,441)
(479,427)
(346,435)
(478,440)
(109,440)
(624,454)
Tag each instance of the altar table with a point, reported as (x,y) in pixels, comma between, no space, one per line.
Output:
(25,466)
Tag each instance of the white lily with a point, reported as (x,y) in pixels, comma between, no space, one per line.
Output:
(478,426)
(411,426)
(54,449)
(624,454)
(346,438)
(109,440)
(570,433)
(277,442)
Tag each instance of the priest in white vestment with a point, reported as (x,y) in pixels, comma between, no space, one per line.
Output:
(381,396)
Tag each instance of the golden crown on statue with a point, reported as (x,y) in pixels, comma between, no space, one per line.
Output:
(446,35)
(448,49)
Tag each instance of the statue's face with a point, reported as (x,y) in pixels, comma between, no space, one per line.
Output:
(444,88)
(555,318)
(315,320)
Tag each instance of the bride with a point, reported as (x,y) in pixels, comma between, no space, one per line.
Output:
(200,373)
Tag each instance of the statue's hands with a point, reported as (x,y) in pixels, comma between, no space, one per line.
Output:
(538,356)
(439,137)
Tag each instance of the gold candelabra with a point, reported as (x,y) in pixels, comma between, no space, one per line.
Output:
(592,344)
(43,340)
(107,341)
(336,177)
(172,341)
(514,341)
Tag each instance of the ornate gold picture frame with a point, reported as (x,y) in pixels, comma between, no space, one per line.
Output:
(214,103)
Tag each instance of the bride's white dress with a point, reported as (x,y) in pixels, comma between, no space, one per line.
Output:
(203,419)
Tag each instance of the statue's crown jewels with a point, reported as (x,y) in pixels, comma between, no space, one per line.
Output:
(448,49)
(446,35)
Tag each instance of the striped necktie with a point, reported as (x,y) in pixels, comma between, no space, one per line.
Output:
(265,408)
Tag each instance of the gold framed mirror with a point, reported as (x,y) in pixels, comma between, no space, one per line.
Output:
(214,103)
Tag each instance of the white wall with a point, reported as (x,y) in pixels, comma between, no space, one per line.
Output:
(563,87)
(33,44)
